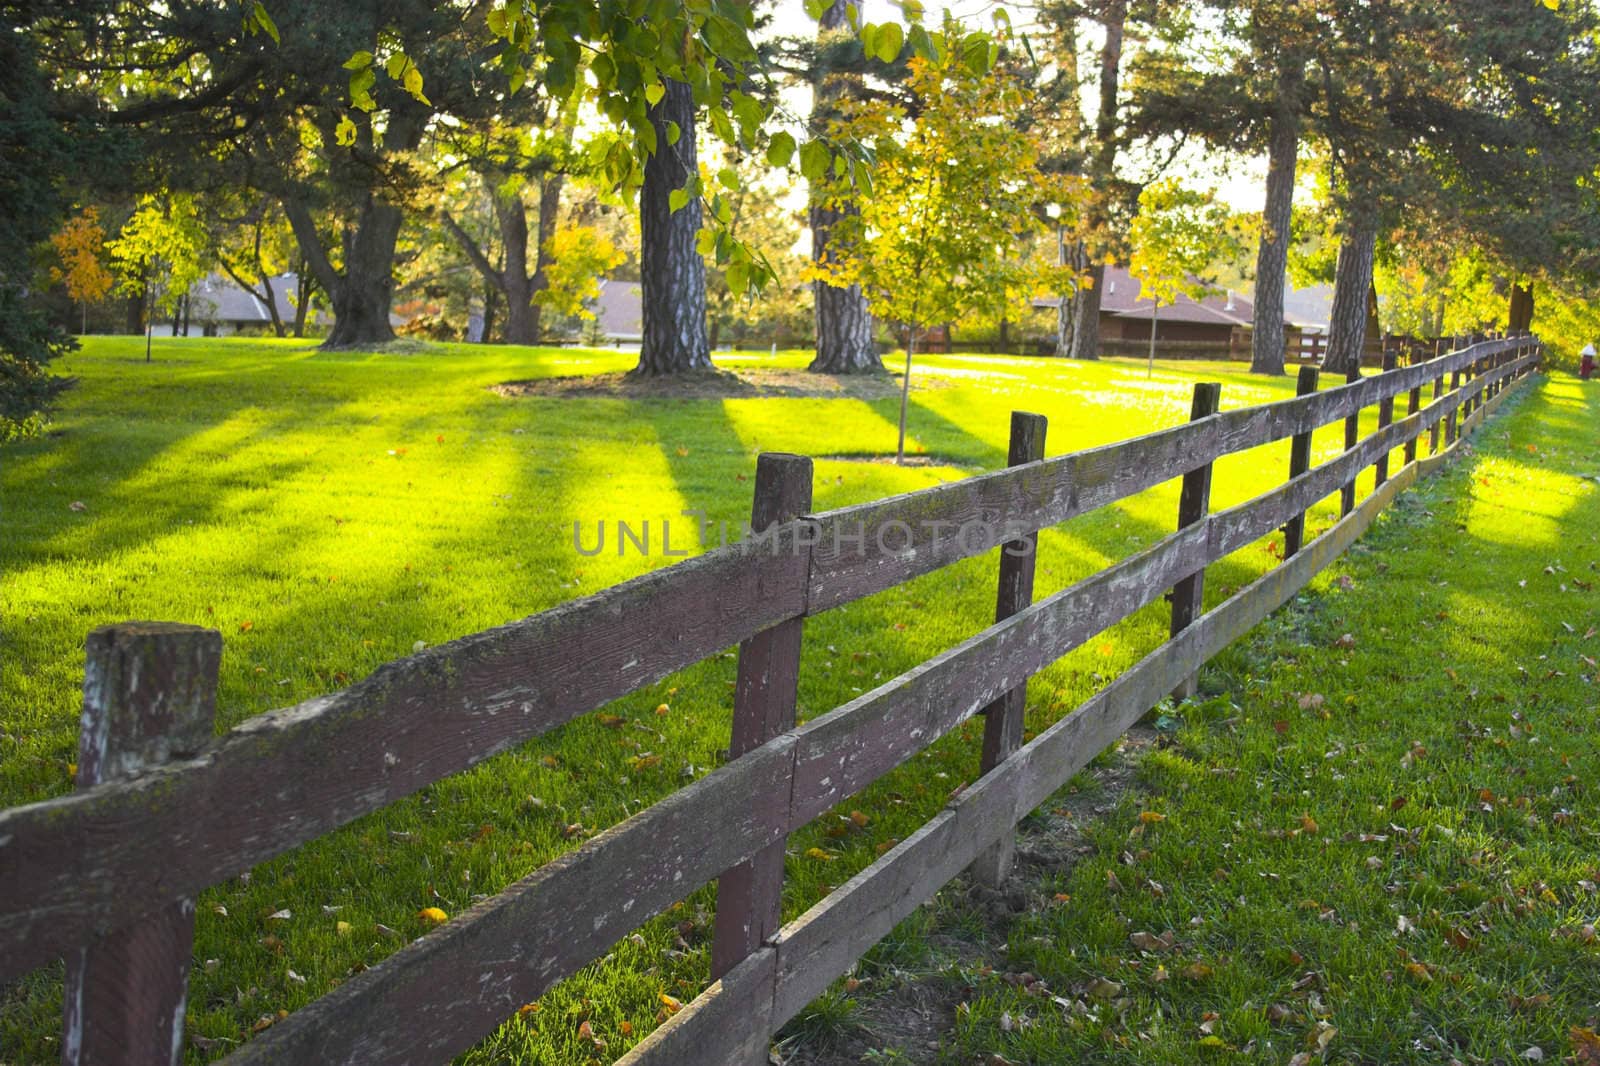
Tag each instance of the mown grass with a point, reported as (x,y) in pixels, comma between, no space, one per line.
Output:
(326,511)
(1377,841)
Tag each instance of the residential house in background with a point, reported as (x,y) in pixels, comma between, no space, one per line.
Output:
(218,307)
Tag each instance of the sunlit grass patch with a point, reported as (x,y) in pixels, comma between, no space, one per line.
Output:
(326,511)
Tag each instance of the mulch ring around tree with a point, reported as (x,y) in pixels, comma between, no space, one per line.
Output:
(741,383)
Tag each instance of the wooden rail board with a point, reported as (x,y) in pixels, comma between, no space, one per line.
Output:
(456,985)
(78,866)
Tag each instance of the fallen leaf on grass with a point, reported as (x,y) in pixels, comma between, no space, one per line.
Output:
(1150,942)
(1585,1046)
(433,915)
(1103,989)
(77,505)
(1345,642)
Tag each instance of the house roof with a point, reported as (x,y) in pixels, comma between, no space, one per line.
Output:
(219,299)
(1121,296)
(619,309)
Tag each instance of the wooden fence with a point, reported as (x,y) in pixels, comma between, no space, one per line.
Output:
(107,877)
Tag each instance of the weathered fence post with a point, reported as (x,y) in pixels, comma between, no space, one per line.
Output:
(749,895)
(1385,416)
(1002,727)
(1438,425)
(1450,420)
(149,697)
(1188,595)
(1294,531)
(1352,434)
(1413,405)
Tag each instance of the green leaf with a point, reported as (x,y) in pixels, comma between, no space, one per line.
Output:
(360,89)
(413,84)
(496,19)
(814,159)
(781,150)
(817,8)
(747,110)
(358,61)
(265,23)
(738,276)
(345,132)
(921,43)
(728,178)
(869,39)
(673,132)
(677,200)
(647,137)
(890,40)
(396,65)
(654,92)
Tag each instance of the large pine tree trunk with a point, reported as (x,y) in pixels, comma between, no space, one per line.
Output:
(671,272)
(844,322)
(1352,286)
(1272,257)
(1102,173)
(844,330)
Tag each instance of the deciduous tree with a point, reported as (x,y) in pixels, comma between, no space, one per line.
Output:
(80,244)
(955,188)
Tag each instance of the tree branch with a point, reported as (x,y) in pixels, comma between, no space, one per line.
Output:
(311,249)
(474,253)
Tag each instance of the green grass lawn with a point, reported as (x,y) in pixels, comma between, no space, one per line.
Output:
(327,511)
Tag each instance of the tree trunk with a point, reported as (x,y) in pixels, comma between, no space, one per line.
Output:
(1352,285)
(1102,172)
(133,313)
(549,218)
(272,306)
(1155,317)
(363,297)
(305,289)
(1272,257)
(844,322)
(1068,254)
(522,322)
(905,395)
(1086,315)
(490,305)
(1519,317)
(671,272)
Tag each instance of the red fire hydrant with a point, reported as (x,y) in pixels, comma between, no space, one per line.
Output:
(1586,362)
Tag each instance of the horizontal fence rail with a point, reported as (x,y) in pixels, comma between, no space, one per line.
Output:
(80,868)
